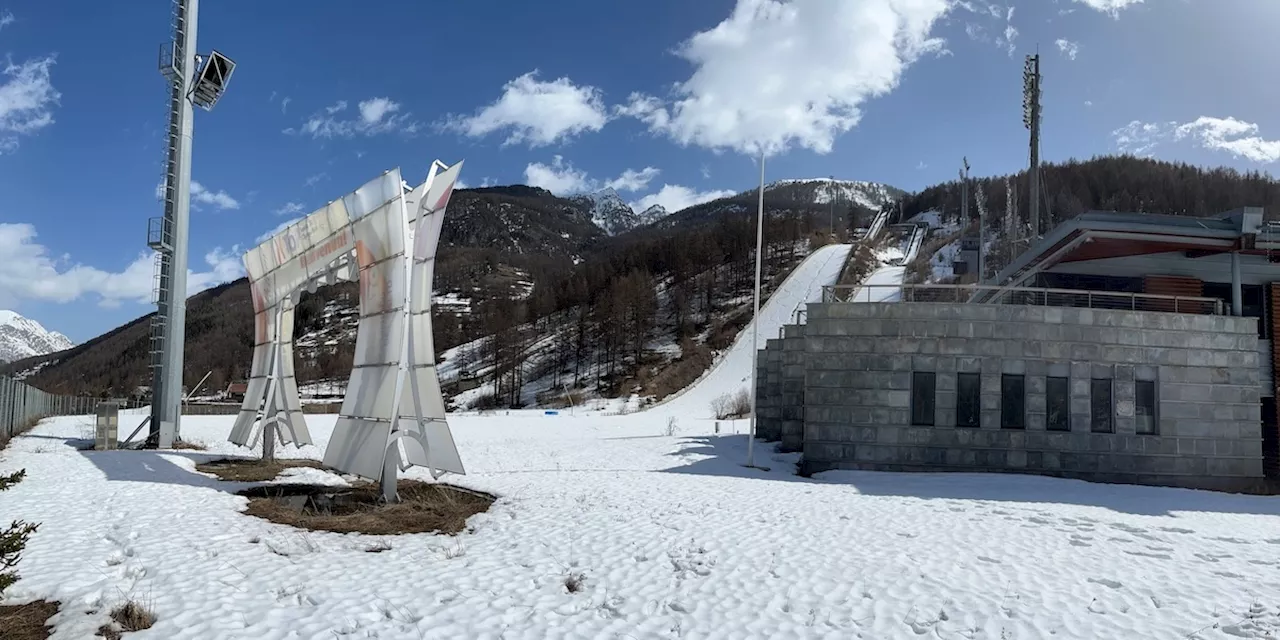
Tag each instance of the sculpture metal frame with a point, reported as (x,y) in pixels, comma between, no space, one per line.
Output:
(385,235)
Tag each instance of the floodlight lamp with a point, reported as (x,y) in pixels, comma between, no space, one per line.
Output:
(212,80)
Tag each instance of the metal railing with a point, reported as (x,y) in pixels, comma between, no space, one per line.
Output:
(22,404)
(1026,296)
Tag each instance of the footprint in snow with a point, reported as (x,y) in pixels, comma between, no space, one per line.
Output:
(1176,530)
(1112,584)
(1232,540)
(1227,574)
(986,559)
(1272,541)
(1144,554)
(1206,557)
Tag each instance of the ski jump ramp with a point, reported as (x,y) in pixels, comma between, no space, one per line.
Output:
(732,372)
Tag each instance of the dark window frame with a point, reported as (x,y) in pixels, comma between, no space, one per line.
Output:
(1109,425)
(976,409)
(927,415)
(1138,407)
(1010,419)
(1050,424)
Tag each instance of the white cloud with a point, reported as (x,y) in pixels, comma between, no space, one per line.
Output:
(706,172)
(200,195)
(675,198)
(1068,48)
(31,273)
(1088,103)
(1237,137)
(27,99)
(376,116)
(290,208)
(777,75)
(373,109)
(536,113)
(278,228)
(461,184)
(1234,136)
(6,19)
(311,181)
(559,177)
(632,180)
(562,178)
(1010,34)
(284,104)
(1140,138)
(218,199)
(1110,7)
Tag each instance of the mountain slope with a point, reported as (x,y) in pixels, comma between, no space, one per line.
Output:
(23,338)
(608,211)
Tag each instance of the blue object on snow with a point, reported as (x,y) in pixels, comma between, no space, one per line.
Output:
(550,413)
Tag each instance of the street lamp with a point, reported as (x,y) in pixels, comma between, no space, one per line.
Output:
(755,318)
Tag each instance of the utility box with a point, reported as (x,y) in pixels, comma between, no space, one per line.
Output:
(167,435)
(108,426)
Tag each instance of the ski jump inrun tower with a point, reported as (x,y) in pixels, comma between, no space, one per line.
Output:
(384,234)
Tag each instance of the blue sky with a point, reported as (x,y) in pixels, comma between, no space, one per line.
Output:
(665,100)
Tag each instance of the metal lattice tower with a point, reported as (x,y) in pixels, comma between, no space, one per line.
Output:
(192,82)
(168,235)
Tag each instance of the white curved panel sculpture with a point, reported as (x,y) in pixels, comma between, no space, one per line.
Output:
(393,414)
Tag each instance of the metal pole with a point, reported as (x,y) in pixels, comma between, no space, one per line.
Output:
(1237,302)
(832,207)
(1035,150)
(167,380)
(755,319)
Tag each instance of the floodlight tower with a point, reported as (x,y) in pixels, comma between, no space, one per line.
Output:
(193,81)
(1031,120)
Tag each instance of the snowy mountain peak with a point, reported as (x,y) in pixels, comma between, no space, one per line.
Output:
(653,214)
(609,211)
(22,338)
(871,195)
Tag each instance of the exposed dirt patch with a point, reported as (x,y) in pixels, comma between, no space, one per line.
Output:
(424,508)
(183,444)
(27,621)
(252,469)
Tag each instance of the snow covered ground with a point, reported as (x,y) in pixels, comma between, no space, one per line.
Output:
(673,536)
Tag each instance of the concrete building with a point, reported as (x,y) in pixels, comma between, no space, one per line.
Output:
(1121,348)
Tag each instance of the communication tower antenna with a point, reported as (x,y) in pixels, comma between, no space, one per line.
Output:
(1031,120)
(194,81)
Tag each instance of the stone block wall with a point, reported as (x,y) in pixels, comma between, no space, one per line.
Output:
(769,401)
(792,388)
(859,360)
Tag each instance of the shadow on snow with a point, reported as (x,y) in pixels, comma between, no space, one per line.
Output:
(727,454)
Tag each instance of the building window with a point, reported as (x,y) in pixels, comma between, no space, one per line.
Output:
(1013,402)
(1101,408)
(969,400)
(923,398)
(1058,403)
(1144,407)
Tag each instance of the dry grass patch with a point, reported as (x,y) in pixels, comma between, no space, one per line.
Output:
(423,508)
(27,621)
(252,469)
(183,444)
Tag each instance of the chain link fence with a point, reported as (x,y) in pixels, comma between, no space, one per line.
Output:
(22,405)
